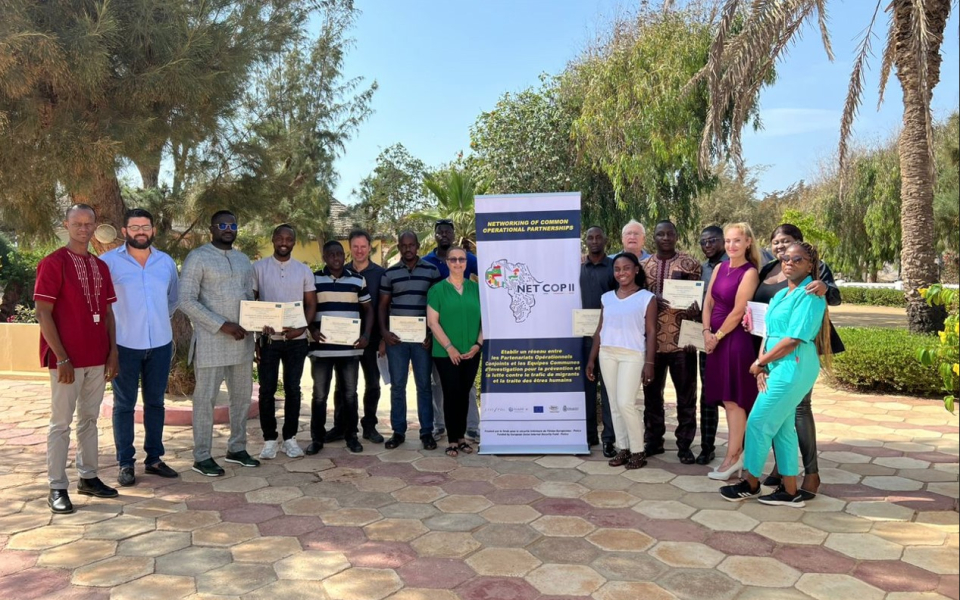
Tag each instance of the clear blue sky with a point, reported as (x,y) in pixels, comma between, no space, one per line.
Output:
(440,63)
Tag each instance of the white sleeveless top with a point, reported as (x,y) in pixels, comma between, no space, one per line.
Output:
(624,321)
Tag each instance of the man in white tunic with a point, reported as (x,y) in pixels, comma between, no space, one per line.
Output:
(214,280)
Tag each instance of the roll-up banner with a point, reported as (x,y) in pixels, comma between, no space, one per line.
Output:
(528,248)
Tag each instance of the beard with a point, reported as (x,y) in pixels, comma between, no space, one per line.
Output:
(138,244)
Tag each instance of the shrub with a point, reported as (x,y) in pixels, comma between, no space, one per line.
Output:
(884,361)
(873,296)
(945,357)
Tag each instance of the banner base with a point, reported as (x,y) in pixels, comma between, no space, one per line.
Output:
(515,449)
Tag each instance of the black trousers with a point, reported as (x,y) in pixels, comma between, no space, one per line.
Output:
(291,354)
(590,389)
(456,381)
(709,414)
(371,390)
(683,373)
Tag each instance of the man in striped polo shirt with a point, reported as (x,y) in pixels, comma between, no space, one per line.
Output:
(341,292)
(403,293)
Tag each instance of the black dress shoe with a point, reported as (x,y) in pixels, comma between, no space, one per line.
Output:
(334,435)
(95,487)
(371,433)
(59,502)
(428,442)
(649,451)
(685,456)
(609,450)
(395,441)
(593,442)
(126,478)
(161,469)
(313,448)
(353,445)
(705,458)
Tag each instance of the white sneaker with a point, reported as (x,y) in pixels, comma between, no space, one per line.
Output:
(269,450)
(291,448)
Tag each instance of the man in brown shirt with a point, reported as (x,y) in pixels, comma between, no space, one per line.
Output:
(667,263)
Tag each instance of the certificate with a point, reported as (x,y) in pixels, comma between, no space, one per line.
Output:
(409,329)
(342,331)
(254,316)
(691,334)
(585,321)
(293,317)
(681,294)
(758,318)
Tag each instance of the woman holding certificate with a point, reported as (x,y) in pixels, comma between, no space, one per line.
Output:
(787,368)
(626,344)
(453,315)
(730,349)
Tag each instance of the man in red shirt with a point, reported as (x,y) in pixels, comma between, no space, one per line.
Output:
(73,295)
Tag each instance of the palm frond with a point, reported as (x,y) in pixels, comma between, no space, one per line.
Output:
(822,19)
(889,54)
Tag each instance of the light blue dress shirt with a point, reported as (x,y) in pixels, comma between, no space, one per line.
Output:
(146,298)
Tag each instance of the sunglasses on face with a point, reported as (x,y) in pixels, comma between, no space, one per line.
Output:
(797,259)
(226,226)
(457,259)
(709,241)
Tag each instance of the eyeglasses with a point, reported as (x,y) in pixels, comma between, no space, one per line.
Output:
(457,259)
(796,259)
(137,228)
(709,241)
(226,226)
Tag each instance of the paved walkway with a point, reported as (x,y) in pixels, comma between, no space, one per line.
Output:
(413,525)
(855,315)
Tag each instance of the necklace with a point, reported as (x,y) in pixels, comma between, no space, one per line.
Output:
(626,296)
(91,289)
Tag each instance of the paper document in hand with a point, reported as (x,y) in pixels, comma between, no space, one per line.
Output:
(342,331)
(758,318)
(682,294)
(585,321)
(409,329)
(254,316)
(691,334)
(293,317)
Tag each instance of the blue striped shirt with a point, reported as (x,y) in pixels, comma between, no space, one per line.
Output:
(338,297)
(408,288)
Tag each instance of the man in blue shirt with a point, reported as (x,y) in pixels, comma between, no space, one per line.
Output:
(445,235)
(145,280)
(633,236)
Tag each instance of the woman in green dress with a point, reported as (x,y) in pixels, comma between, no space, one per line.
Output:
(786,370)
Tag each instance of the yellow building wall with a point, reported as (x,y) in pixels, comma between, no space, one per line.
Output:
(310,253)
(20,348)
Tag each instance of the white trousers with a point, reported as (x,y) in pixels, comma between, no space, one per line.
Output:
(622,373)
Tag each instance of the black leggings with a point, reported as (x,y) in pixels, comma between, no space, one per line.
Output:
(456,381)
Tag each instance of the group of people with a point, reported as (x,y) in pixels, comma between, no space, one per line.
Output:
(108,319)
(763,384)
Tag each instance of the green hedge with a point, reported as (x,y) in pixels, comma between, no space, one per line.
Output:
(873,296)
(885,361)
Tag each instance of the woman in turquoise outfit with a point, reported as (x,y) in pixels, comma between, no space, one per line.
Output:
(786,370)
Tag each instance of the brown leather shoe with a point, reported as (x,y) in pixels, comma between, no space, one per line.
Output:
(620,459)
(637,460)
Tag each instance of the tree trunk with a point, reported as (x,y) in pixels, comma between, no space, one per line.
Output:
(104,196)
(918,256)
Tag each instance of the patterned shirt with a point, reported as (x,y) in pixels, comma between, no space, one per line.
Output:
(338,297)
(681,266)
(408,288)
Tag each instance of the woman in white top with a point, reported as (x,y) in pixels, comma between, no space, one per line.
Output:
(626,334)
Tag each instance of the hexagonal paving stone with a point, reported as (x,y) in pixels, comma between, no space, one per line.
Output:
(454,522)
(792,533)
(721,520)
(830,587)
(224,535)
(240,484)
(381,555)
(463,504)
(565,580)
(560,489)
(113,571)
(436,464)
(424,594)
(503,562)
(559,462)
(76,554)
(154,543)
(273,495)
(896,576)
(664,509)
(631,590)
(419,494)
(498,588)
(909,534)
(760,571)
(192,561)
(380,484)
(863,546)
(564,550)
(308,506)
(628,566)
(941,560)
(688,555)
(901,462)
(696,584)
(510,514)
(837,522)
(436,573)
(741,544)
(188,520)
(610,499)
(395,530)
(559,526)
(443,544)
(892,483)
(265,549)
(499,535)
(620,540)
(45,537)
(289,525)
(311,565)
(155,587)
(235,579)
(355,517)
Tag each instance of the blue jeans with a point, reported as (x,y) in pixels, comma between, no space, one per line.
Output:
(152,367)
(399,358)
(348,371)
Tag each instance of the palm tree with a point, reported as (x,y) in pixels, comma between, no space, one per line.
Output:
(454,191)
(749,42)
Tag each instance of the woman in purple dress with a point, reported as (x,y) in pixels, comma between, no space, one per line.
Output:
(730,349)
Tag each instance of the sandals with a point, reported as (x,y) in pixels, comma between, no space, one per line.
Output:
(452,451)
(465,448)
